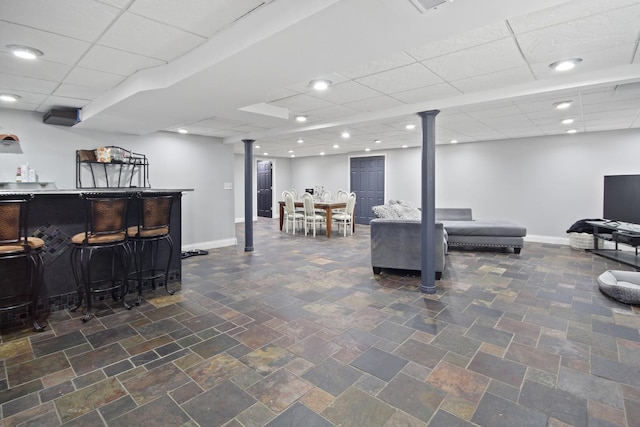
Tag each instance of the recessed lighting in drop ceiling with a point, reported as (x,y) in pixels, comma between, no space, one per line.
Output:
(572,131)
(320,84)
(24,52)
(7,97)
(300,118)
(293,155)
(290,151)
(346,134)
(454,141)
(377,141)
(322,153)
(405,146)
(257,146)
(567,121)
(300,141)
(183,131)
(562,105)
(565,64)
(265,154)
(410,127)
(336,146)
(367,149)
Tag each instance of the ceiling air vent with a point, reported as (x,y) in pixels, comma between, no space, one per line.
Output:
(424,5)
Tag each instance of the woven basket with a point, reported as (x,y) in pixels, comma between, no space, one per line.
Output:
(581,241)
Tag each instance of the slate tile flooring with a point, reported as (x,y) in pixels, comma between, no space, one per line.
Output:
(301,333)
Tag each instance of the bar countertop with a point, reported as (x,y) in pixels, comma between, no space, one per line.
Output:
(91,190)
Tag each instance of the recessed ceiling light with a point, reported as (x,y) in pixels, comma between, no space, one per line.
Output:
(293,155)
(183,131)
(563,104)
(405,146)
(377,141)
(454,141)
(345,134)
(567,121)
(24,52)
(257,146)
(322,153)
(265,154)
(7,97)
(410,127)
(300,141)
(572,131)
(290,151)
(320,84)
(367,149)
(565,64)
(336,146)
(300,118)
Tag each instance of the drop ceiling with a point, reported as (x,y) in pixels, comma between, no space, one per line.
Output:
(240,69)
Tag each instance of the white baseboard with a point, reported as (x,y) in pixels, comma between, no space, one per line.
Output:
(239,220)
(211,244)
(547,239)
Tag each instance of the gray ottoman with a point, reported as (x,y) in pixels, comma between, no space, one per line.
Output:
(623,286)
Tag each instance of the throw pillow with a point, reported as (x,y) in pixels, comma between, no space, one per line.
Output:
(384,211)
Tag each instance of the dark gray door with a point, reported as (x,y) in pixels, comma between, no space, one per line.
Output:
(367,181)
(264,188)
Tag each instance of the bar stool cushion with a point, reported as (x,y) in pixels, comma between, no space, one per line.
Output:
(78,239)
(623,286)
(33,242)
(134,231)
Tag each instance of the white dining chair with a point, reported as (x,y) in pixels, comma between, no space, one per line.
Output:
(290,214)
(341,197)
(346,218)
(311,217)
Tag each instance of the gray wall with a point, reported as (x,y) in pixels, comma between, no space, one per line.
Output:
(544,183)
(200,163)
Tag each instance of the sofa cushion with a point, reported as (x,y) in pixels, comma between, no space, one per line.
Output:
(453,214)
(406,212)
(484,228)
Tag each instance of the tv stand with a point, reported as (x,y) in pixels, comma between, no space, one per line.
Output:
(619,233)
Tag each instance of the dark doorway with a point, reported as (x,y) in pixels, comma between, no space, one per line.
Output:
(264,188)
(367,181)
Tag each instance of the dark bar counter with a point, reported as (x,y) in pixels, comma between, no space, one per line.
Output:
(56,215)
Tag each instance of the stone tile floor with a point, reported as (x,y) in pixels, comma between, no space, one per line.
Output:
(301,333)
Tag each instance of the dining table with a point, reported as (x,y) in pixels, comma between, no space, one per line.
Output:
(327,206)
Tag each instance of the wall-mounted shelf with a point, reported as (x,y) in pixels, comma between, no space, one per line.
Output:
(119,168)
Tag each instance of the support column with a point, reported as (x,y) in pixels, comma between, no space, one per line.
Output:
(427,238)
(248,194)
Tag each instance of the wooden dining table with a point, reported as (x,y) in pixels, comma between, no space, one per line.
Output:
(326,206)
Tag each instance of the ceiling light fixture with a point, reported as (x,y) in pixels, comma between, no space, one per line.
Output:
(320,84)
(346,134)
(563,104)
(257,146)
(7,97)
(290,151)
(265,154)
(572,131)
(300,118)
(336,146)
(24,52)
(367,149)
(454,141)
(322,153)
(567,121)
(405,146)
(565,64)
(183,131)
(410,127)
(300,141)
(293,155)
(377,141)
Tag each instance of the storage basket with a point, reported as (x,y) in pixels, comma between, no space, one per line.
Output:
(581,241)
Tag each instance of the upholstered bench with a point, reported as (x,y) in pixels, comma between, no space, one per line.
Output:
(623,286)
(462,230)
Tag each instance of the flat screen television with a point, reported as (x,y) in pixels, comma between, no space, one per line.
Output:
(622,198)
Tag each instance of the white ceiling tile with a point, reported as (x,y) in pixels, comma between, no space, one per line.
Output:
(301,103)
(30,98)
(305,87)
(116,61)
(116,3)
(501,112)
(373,104)
(92,78)
(346,92)
(219,123)
(143,36)
(83,20)
(384,64)
(280,93)
(401,79)
(591,61)
(63,50)
(202,17)
(495,80)
(616,28)
(471,62)
(75,91)
(61,101)
(44,70)
(428,93)
(27,84)
(460,42)
(565,12)
(332,112)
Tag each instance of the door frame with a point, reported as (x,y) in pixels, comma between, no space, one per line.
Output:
(350,156)
(271,163)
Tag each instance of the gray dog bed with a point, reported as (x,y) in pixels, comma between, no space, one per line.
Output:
(621,285)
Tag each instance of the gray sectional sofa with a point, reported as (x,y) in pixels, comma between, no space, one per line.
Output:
(396,235)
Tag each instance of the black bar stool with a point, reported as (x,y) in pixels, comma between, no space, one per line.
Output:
(17,247)
(105,228)
(154,226)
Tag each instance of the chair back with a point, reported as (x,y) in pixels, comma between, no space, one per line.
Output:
(342,196)
(325,195)
(154,211)
(294,194)
(105,214)
(307,201)
(351,204)
(289,206)
(13,219)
